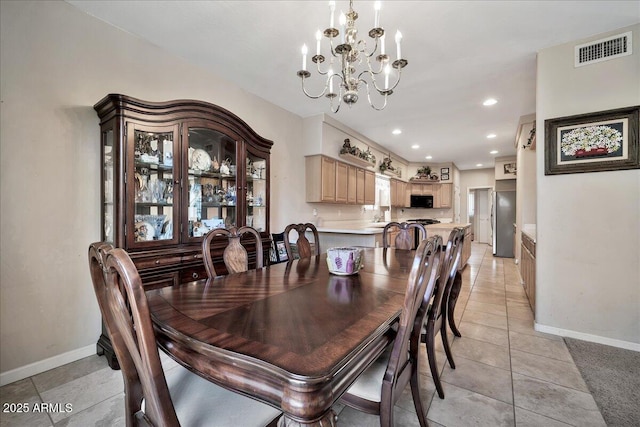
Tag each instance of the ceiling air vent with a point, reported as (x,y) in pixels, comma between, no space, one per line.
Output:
(603,49)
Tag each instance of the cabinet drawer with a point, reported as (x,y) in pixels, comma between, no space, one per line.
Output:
(193,273)
(154,281)
(157,261)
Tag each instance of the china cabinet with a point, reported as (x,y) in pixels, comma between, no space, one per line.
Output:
(172,171)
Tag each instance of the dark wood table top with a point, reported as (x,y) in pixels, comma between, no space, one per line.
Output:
(292,335)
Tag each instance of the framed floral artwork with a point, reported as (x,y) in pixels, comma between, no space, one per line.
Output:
(594,142)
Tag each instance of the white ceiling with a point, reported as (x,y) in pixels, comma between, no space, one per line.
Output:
(459,53)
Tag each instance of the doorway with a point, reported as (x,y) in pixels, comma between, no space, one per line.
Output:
(479,213)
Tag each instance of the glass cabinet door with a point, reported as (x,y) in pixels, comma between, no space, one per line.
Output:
(256,176)
(108,188)
(151,185)
(212,187)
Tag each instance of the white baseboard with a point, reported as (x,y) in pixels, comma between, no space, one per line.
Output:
(586,337)
(46,364)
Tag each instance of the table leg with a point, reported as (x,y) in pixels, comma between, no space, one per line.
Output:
(330,419)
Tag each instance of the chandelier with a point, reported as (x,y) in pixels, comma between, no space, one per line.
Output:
(356,67)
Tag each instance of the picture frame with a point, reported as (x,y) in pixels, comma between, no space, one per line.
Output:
(444,171)
(593,142)
(444,177)
(279,249)
(506,169)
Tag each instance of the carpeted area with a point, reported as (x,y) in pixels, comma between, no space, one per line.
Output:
(613,377)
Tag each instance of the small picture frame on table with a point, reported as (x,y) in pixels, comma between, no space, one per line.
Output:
(279,249)
(444,177)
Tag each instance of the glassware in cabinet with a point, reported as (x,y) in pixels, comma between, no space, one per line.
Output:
(212,185)
(151,189)
(256,195)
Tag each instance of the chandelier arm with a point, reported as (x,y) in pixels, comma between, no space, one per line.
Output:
(371,102)
(397,79)
(313,96)
(373,81)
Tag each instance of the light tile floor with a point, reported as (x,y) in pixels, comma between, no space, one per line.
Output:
(506,373)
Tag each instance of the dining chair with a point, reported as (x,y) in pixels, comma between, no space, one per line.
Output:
(152,396)
(304,247)
(379,387)
(437,308)
(455,291)
(403,239)
(234,255)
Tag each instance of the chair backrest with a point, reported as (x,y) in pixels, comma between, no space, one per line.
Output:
(235,255)
(450,259)
(403,239)
(124,308)
(303,245)
(420,287)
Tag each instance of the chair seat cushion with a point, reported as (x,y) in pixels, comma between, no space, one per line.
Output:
(199,402)
(369,385)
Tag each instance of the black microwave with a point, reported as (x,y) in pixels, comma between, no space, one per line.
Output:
(418,201)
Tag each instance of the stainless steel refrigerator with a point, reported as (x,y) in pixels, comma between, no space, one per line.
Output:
(503,216)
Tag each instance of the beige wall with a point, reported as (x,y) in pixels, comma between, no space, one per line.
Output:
(588,232)
(474,178)
(57,62)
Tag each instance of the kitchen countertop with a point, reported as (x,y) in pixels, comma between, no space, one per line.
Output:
(364,230)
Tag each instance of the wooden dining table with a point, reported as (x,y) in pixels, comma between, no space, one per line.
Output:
(291,335)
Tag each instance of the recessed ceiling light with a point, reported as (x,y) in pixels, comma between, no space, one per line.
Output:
(491,135)
(429,157)
(493,152)
(396,132)
(415,146)
(479,165)
(490,101)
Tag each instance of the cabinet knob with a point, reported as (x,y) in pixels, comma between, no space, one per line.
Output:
(195,275)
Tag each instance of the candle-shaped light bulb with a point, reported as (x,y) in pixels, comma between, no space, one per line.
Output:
(376,6)
(343,22)
(318,38)
(304,57)
(387,71)
(398,40)
(332,8)
(382,44)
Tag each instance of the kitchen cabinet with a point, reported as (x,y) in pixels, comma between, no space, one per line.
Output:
(528,268)
(421,189)
(331,181)
(442,195)
(352,185)
(369,187)
(398,193)
(342,182)
(171,171)
(360,186)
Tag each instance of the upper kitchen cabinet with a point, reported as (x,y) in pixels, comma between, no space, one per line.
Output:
(398,191)
(332,181)
(174,170)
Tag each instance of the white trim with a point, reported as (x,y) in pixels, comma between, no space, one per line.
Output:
(586,337)
(46,364)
